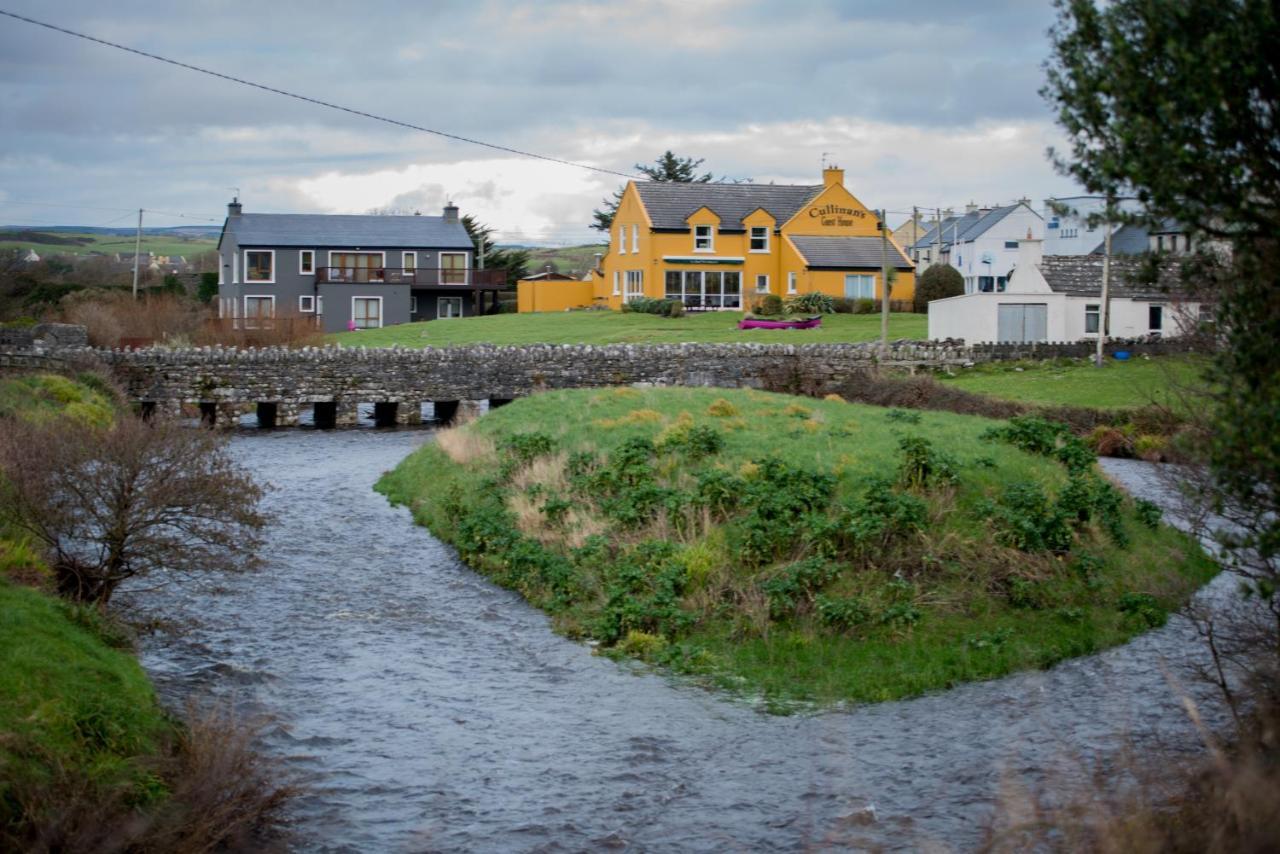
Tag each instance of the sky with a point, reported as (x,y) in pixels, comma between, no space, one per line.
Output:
(927,103)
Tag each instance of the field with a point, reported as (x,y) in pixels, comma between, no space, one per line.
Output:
(799,550)
(611,327)
(567,259)
(1118,385)
(82,243)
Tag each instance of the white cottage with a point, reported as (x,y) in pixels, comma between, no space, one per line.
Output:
(1058,298)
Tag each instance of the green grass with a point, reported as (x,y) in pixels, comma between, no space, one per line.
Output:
(611,327)
(944,604)
(87,242)
(41,397)
(1118,385)
(566,259)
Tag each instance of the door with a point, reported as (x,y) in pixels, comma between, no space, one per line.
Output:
(1022,322)
(453,268)
(356,266)
(448,307)
(366,312)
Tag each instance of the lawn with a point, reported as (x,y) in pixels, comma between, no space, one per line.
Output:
(611,327)
(1118,385)
(794,549)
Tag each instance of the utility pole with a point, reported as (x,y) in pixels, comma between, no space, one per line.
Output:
(1104,309)
(937,239)
(137,249)
(884,285)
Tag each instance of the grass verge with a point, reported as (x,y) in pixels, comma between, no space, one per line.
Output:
(798,549)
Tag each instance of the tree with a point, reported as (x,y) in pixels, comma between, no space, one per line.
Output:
(938,282)
(128,500)
(208,287)
(514,261)
(1176,102)
(668,167)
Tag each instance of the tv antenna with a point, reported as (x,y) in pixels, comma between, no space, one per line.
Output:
(825,155)
(235,193)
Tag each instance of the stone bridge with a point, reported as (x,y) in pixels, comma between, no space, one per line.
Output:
(279,384)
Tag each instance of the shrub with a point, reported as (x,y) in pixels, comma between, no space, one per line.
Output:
(1150,448)
(526,447)
(721,408)
(843,305)
(938,282)
(813,302)
(1142,607)
(649,305)
(675,308)
(865,305)
(795,584)
(1148,512)
(208,287)
(842,613)
(768,306)
(695,441)
(643,585)
(922,466)
(1027,521)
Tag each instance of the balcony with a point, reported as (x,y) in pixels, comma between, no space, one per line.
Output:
(422,277)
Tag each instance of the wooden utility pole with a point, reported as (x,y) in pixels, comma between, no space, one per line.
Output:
(137,250)
(937,239)
(1104,308)
(884,284)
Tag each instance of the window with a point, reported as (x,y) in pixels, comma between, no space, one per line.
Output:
(306,304)
(759,238)
(1001,281)
(635,239)
(762,283)
(319,305)
(1155,317)
(453,268)
(622,240)
(859,286)
(307,262)
(1011,244)
(1092,318)
(235,268)
(221,267)
(413,305)
(447,307)
(366,312)
(791,283)
(703,238)
(1159,243)
(260,265)
(357,266)
(635,284)
(258,312)
(705,289)
(617,287)
(410,261)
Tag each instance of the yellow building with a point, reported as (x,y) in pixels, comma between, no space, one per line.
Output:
(727,245)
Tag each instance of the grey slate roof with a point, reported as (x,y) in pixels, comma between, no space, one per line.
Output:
(308,230)
(1126,240)
(1081,276)
(970,226)
(847,253)
(669,203)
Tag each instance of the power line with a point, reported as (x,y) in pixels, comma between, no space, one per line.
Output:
(309,100)
(4,202)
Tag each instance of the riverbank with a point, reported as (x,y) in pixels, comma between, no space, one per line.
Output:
(796,549)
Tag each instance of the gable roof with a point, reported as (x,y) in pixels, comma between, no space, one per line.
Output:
(309,230)
(1127,240)
(846,253)
(970,226)
(1081,276)
(670,203)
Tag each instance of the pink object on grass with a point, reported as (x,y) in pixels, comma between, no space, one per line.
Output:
(756,323)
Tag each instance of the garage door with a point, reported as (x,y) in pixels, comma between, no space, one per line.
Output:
(1018,322)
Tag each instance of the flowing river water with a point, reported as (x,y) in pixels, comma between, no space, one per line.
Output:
(428,710)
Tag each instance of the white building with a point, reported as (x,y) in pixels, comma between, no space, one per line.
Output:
(1058,298)
(982,244)
(1067,230)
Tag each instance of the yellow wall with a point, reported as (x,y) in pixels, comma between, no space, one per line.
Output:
(835,212)
(551,295)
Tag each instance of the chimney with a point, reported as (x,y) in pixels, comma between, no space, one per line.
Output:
(832,176)
(548,271)
(1024,201)
(450,212)
(1030,253)
(234,208)
(599,259)
(970,208)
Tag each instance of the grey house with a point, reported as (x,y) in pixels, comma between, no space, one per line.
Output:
(349,272)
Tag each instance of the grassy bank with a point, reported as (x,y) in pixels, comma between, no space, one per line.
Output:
(800,549)
(1161,381)
(612,327)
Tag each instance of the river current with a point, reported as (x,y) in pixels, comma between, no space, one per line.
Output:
(428,710)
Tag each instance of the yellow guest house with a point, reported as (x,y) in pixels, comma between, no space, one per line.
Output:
(723,246)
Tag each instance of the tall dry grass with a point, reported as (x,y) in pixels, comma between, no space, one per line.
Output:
(113,316)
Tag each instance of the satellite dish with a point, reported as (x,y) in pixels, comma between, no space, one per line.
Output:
(987,258)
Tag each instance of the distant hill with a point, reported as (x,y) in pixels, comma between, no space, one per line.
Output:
(204,231)
(574,260)
(187,241)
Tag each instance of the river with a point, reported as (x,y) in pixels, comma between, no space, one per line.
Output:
(429,710)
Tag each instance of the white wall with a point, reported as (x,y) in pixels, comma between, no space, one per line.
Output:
(974,317)
(967,257)
(1084,239)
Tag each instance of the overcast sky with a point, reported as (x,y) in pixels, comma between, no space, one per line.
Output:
(935,104)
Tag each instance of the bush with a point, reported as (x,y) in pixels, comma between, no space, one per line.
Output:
(811,303)
(922,466)
(768,306)
(649,305)
(843,305)
(865,305)
(938,282)
(208,287)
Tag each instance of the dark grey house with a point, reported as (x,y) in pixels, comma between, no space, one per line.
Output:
(349,272)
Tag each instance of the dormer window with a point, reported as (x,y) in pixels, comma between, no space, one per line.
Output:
(703,238)
(759,238)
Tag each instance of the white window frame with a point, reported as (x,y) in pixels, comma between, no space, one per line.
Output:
(413,305)
(791,283)
(235,268)
(622,240)
(306,304)
(617,283)
(381,314)
(461,308)
(221,275)
(255,317)
(635,284)
(751,236)
(1096,310)
(319,305)
(762,277)
(710,238)
(635,239)
(270,281)
(404,260)
(303,254)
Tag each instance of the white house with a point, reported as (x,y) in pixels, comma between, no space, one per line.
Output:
(982,244)
(1058,298)
(1067,230)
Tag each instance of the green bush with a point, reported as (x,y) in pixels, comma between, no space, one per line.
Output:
(843,305)
(813,302)
(865,305)
(768,306)
(938,282)
(208,288)
(841,613)
(649,305)
(795,584)
(1026,520)
(922,466)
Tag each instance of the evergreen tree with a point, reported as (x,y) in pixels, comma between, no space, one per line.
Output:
(514,261)
(668,167)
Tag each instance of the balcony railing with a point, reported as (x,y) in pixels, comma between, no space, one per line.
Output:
(434,277)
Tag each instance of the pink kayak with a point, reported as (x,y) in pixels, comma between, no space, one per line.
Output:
(756,323)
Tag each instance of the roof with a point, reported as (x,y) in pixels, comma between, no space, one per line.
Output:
(970,226)
(1081,276)
(1127,240)
(670,203)
(551,275)
(848,253)
(410,232)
